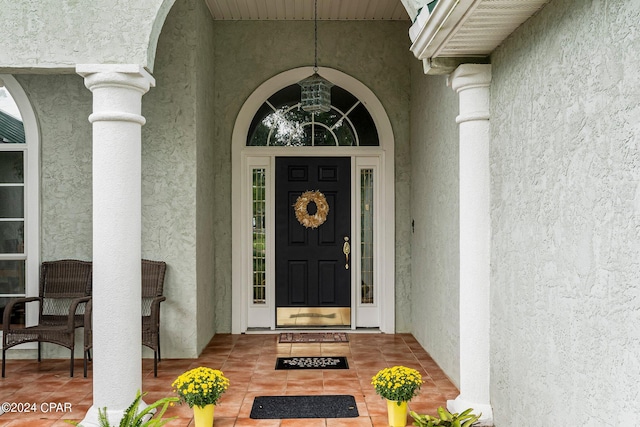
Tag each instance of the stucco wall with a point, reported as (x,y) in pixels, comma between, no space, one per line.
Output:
(65,159)
(435,247)
(205,95)
(40,35)
(174,186)
(248,53)
(565,137)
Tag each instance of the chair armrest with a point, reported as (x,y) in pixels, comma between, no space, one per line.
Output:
(72,311)
(6,318)
(88,333)
(87,313)
(155,308)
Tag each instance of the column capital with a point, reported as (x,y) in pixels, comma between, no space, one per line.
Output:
(468,76)
(117,90)
(471,83)
(128,75)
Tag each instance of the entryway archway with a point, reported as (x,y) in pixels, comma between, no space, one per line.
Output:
(271,130)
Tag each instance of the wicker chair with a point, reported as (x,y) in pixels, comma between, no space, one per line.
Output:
(152,288)
(65,288)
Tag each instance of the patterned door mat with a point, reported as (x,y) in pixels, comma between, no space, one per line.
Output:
(281,407)
(318,362)
(302,337)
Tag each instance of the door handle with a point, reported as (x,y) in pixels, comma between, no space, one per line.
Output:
(346,249)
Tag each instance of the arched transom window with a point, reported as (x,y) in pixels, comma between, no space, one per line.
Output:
(281,122)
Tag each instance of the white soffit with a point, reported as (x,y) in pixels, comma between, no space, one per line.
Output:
(289,10)
(463,28)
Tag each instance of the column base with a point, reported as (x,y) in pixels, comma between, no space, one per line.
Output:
(459,405)
(92,417)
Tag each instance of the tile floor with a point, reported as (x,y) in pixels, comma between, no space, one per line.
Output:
(248,361)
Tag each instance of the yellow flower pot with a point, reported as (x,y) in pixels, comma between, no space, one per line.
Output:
(203,416)
(397,413)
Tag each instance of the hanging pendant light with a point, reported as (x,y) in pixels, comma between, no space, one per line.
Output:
(316,91)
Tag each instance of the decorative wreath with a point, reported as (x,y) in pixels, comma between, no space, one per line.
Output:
(300,207)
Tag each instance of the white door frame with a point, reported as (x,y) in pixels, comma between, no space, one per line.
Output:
(381,158)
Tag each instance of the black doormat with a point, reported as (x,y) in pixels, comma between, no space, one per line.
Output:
(317,362)
(281,407)
(303,337)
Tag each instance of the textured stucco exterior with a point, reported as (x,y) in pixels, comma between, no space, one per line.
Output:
(65,166)
(205,186)
(435,247)
(565,137)
(249,53)
(177,183)
(50,35)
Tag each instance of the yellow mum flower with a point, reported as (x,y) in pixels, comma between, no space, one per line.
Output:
(201,386)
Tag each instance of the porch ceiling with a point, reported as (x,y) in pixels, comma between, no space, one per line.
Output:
(389,10)
(454,31)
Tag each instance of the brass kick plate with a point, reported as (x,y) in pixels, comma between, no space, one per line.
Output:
(313,316)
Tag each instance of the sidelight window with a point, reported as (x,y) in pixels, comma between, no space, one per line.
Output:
(259,234)
(366,236)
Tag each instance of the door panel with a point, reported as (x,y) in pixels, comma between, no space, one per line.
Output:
(310,263)
(298,273)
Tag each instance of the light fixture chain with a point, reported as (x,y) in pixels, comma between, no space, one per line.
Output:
(315,92)
(315,36)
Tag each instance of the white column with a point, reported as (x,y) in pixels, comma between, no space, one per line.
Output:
(471,82)
(117,356)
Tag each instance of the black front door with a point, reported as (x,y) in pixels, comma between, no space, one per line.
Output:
(312,269)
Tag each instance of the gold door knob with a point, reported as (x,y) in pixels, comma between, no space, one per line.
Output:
(346,249)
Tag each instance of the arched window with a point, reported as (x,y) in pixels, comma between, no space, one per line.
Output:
(19,216)
(281,122)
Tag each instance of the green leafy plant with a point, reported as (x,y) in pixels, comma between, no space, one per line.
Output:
(398,383)
(446,419)
(148,417)
(201,386)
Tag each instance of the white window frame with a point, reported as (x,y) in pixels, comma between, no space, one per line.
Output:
(31,150)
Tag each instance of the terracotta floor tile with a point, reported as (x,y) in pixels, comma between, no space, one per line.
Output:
(306,422)
(249,362)
(345,386)
(362,406)
(302,374)
(340,374)
(248,422)
(380,421)
(181,422)
(349,422)
(306,349)
(304,386)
